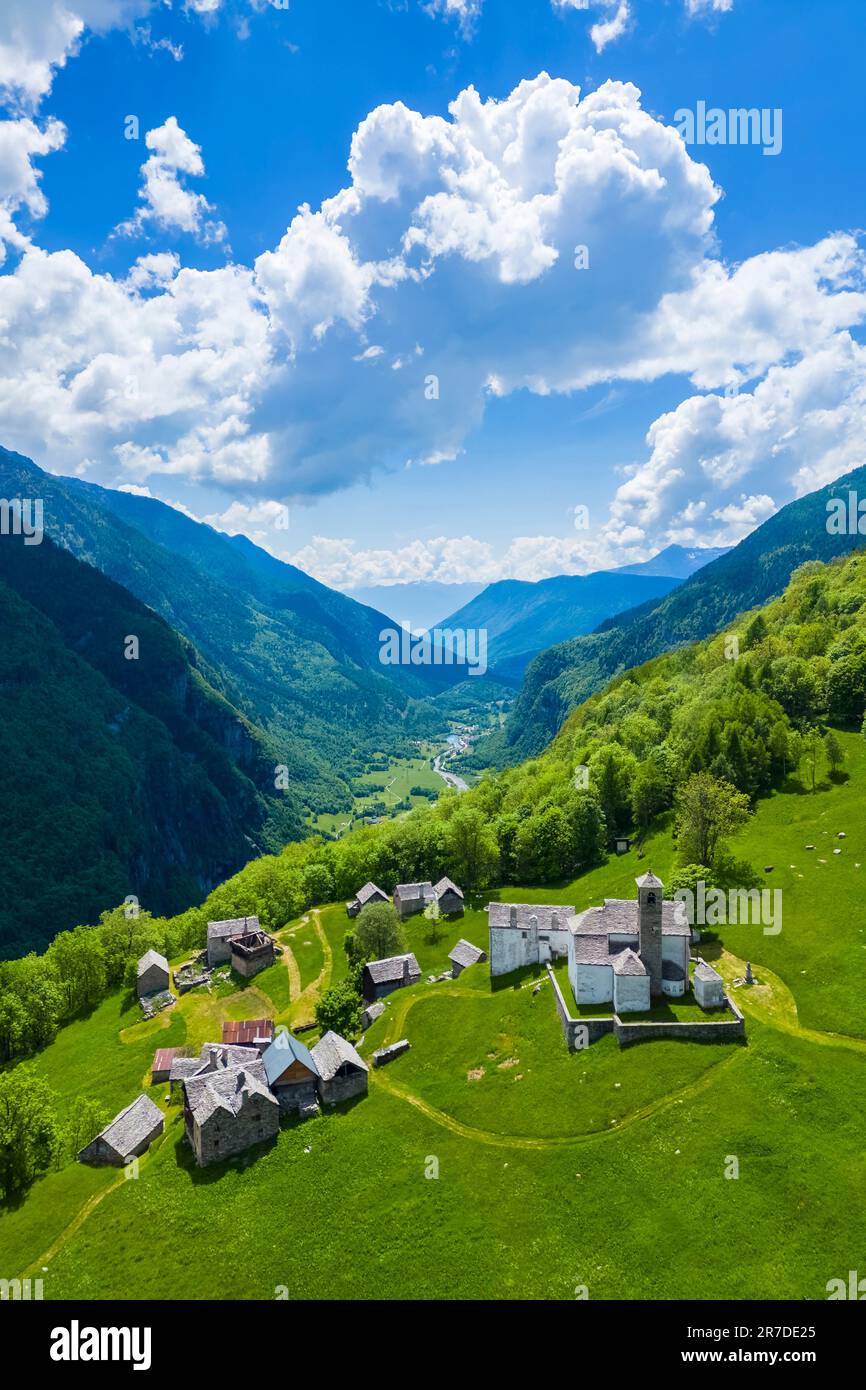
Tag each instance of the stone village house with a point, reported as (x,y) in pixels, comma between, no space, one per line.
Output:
(343,1074)
(152,976)
(129,1134)
(227,1109)
(382,977)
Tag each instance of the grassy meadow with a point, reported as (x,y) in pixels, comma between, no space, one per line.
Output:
(488,1161)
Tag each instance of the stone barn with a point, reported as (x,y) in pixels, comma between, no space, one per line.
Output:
(343,1073)
(382,977)
(463,955)
(449,898)
(153,974)
(412,898)
(526,934)
(221,934)
(292,1075)
(162,1061)
(129,1134)
(709,987)
(228,1110)
(370,893)
(251,953)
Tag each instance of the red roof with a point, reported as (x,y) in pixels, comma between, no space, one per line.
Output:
(163,1058)
(248,1031)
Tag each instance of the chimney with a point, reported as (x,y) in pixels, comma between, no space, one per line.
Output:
(512,916)
(406,969)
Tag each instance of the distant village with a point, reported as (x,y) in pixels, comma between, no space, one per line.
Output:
(628,953)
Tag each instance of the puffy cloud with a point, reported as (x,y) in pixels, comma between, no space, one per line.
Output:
(166,202)
(605,31)
(20,142)
(38,38)
(719,464)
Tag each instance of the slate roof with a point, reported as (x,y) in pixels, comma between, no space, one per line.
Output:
(133,1125)
(282,1052)
(384,971)
(465,953)
(151,958)
(706,972)
(371,1013)
(592,950)
(414,892)
(499,915)
(369,890)
(628,962)
(649,880)
(232,926)
(182,1067)
(332,1052)
(447,885)
(619,916)
(226,1089)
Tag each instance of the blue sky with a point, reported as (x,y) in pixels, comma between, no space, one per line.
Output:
(232,378)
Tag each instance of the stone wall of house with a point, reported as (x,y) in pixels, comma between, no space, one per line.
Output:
(219,950)
(153,980)
(223,1138)
(293,1099)
(343,1088)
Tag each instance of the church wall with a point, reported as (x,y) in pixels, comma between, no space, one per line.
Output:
(594,984)
(631,993)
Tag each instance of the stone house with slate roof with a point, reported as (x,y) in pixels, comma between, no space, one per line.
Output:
(343,1074)
(630,951)
(129,1134)
(411,898)
(526,934)
(709,987)
(370,893)
(292,1075)
(449,898)
(153,974)
(382,977)
(220,935)
(464,954)
(228,1109)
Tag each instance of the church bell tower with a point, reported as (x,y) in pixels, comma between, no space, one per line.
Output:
(649,896)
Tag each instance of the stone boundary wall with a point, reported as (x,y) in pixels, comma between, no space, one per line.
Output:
(580,1032)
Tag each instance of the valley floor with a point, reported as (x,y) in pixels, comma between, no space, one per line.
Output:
(488,1162)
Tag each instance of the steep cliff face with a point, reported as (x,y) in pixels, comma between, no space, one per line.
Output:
(121,770)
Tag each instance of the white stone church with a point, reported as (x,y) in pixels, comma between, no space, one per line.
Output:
(625,953)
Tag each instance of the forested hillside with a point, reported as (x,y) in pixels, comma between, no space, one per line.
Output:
(298,659)
(752,573)
(118,775)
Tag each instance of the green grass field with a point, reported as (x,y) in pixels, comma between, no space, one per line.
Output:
(488,1161)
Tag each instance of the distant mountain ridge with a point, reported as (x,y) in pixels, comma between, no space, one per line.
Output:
(522,617)
(751,573)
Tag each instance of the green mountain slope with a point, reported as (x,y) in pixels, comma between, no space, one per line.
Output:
(117,776)
(522,618)
(753,572)
(298,659)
